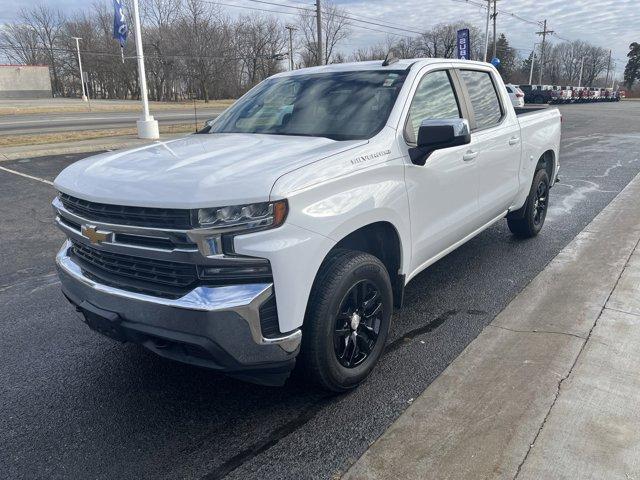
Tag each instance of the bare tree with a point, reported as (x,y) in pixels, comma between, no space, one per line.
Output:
(46,24)
(22,44)
(335,28)
(442,40)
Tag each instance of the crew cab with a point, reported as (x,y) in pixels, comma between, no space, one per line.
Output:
(289,227)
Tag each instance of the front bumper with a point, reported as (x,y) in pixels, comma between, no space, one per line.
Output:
(214,327)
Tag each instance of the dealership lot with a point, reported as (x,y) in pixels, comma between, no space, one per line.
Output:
(75,404)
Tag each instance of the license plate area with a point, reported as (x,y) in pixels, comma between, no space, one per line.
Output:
(103,321)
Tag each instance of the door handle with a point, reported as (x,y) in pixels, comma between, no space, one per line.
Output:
(470,155)
(514,140)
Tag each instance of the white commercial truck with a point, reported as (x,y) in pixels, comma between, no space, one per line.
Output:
(289,227)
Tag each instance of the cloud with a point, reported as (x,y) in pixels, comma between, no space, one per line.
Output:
(610,24)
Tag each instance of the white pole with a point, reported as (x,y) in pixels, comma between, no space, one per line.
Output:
(147,126)
(581,70)
(84,95)
(533,60)
(486,31)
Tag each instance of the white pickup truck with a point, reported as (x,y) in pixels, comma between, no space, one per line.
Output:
(289,226)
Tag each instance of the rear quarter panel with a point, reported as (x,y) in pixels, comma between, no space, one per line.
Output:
(540,132)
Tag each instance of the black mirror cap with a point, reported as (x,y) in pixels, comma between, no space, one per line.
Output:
(438,134)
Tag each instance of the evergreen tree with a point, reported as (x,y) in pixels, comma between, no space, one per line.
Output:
(507,56)
(632,70)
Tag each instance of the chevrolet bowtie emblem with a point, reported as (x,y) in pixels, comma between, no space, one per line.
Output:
(91,232)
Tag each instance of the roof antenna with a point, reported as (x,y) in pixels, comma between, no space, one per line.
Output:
(389,59)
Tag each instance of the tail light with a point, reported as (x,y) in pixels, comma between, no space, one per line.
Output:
(519,95)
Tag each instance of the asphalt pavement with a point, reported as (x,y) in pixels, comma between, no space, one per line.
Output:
(76,405)
(47,123)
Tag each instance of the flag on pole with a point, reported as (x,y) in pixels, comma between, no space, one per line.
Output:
(120,28)
(464,47)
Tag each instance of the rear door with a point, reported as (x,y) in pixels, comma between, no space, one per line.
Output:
(495,137)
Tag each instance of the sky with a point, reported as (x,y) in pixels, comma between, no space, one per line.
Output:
(611,24)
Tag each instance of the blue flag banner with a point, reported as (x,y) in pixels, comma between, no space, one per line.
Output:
(464,45)
(120,28)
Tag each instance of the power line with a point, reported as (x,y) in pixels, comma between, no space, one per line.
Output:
(350,16)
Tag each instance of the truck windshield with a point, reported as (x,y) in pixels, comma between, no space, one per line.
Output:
(340,106)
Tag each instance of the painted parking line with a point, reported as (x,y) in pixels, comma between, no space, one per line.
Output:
(48,182)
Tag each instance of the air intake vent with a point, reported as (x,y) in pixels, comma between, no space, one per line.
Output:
(269,318)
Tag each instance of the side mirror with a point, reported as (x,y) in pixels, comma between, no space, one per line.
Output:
(437,134)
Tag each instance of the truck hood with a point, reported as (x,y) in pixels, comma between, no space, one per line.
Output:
(206,170)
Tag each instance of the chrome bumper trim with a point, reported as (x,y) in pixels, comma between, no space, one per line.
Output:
(245,300)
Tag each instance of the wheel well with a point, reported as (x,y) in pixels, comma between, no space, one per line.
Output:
(381,240)
(547,162)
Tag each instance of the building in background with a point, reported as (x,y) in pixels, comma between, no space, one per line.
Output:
(24,81)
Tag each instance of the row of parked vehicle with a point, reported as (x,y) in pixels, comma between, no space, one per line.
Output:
(541,94)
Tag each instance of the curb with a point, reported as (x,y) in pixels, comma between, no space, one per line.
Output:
(483,416)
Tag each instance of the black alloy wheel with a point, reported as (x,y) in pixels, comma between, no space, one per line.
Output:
(357,324)
(347,322)
(540,203)
(528,221)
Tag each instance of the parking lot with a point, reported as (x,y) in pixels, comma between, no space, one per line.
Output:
(74,404)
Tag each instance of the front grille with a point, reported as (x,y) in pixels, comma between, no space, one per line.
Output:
(170,218)
(155,277)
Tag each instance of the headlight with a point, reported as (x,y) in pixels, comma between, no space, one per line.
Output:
(255,216)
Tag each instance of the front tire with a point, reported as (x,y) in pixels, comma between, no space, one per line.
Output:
(528,221)
(347,320)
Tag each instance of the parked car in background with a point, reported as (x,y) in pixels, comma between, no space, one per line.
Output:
(580,94)
(539,94)
(566,94)
(288,227)
(515,95)
(594,94)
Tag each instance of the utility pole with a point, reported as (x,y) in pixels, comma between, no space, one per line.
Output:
(147,126)
(606,81)
(494,16)
(544,34)
(486,31)
(291,29)
(84,95)
(319,28)
(581,70)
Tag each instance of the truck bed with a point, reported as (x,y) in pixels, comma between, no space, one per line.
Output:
(526,110)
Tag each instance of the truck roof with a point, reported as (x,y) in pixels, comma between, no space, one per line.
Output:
(377,65)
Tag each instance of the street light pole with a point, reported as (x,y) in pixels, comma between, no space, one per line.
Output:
(84,95)
(147,126)
(581,70)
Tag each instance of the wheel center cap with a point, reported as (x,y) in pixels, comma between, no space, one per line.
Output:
(355,321)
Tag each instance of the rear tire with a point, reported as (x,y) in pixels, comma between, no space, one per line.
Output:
(528,221)
(347,320)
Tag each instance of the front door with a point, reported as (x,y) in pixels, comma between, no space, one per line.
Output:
(443,192)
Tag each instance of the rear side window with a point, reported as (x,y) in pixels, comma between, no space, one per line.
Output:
(484,98)
(434,99)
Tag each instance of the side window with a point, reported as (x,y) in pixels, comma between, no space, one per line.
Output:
(434,99)
(509,89)
(483,96)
